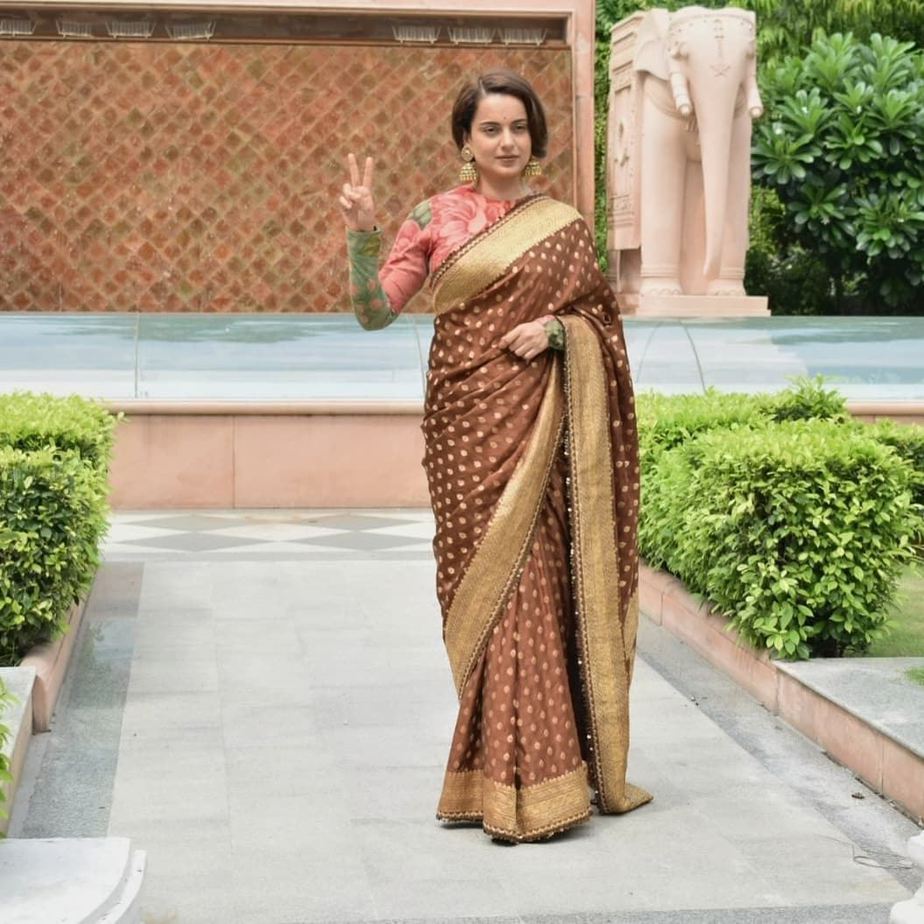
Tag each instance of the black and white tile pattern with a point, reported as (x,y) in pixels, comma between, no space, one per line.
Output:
(278,534)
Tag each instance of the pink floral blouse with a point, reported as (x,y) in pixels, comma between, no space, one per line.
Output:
(432,231)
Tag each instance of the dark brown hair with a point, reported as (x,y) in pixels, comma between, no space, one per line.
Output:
(502,82)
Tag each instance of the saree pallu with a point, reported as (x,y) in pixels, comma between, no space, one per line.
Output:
(533,475)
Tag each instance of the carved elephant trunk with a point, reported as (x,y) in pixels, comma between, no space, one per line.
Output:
(714,122)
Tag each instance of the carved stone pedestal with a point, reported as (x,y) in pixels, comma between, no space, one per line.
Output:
(693,306)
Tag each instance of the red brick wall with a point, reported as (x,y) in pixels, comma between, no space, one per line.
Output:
(169,177)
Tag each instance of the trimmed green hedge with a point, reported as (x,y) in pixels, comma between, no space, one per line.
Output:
(54,459)
(38,421)
(796,529)
(666,421)
(907,442)
(6,700)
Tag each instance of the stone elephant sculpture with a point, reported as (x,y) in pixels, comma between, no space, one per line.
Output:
(684,92)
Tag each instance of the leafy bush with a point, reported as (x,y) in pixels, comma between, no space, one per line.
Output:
(666,421)
(54,461)
(5,777)
(840,145)
(796,531)
(908,443)
(38,421)
(52,517)
(794,280)
(808,399)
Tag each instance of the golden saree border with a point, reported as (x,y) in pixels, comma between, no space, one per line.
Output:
(606,642)
(498,560)
(524,814)
(487,256)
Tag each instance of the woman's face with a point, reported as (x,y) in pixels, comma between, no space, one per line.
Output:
(500,137)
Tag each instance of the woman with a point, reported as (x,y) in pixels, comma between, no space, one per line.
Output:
(531,460)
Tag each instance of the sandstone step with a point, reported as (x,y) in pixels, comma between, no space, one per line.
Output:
(71,881)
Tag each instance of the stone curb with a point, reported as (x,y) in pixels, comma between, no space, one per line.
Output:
(884,764)
(20,681)
(37,682)
(50,660)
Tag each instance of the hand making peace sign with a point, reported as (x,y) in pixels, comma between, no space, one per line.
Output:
(356,201)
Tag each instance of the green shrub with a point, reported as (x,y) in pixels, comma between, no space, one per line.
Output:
(794,280)
(37,421)
(796,531)
(6,698)
(666,421)
(808,399)
(840,146)
(908,443)
(52,517)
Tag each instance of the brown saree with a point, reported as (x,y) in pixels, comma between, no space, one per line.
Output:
(533,476)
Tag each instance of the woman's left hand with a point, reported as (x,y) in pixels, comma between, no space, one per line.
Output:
(527,340)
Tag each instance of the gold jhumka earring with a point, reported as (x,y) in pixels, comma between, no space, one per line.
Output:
(533,168)
(469,172)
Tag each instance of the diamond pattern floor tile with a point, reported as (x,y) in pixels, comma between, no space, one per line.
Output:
(258,534)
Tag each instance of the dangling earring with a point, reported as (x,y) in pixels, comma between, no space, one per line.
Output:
(533,168)
(469,172)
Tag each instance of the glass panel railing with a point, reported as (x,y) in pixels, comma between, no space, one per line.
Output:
(329,357)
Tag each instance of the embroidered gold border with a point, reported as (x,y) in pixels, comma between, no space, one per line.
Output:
(527,813)
(495,565)
(504,243)
(605,642)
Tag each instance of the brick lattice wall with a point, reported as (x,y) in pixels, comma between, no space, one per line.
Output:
(168,177)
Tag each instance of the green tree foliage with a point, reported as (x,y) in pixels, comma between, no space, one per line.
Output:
(840,145)
(785,28)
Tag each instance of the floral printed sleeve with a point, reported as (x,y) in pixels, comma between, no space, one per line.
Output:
(379,296)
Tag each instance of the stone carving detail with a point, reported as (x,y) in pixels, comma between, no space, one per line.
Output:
(683,92)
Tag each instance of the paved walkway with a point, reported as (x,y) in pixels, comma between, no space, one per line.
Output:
(262,702)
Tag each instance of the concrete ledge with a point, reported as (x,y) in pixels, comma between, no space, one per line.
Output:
(71,881)
(635,305)
(237,454)
(291,456)
(18,719)
(903,412)
(888,765)
(50,661)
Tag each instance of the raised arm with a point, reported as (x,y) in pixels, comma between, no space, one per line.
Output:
(378,297)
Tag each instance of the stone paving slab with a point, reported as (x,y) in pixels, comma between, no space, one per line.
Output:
(873,689)
(273,735)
